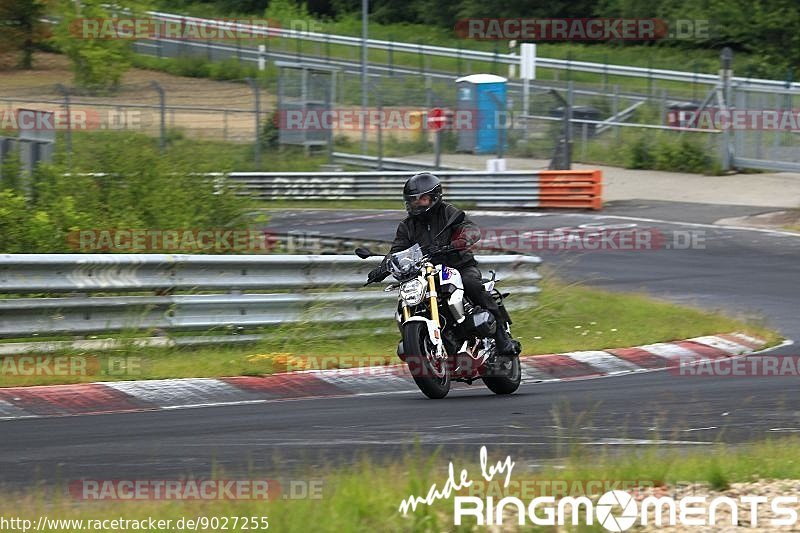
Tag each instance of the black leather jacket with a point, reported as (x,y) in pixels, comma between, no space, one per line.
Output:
(422,230)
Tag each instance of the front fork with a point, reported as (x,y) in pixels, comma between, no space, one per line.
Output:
(434,306)
(434,298)
(429,273)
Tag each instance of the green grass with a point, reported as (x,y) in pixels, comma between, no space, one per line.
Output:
(198,154)
(569,317)
(576,317)
(657,57)
(366,495)
(406,89)
(792,221)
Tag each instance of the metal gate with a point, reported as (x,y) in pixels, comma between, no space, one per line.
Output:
(768,137)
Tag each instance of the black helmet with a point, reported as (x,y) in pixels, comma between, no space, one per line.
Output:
(418,186)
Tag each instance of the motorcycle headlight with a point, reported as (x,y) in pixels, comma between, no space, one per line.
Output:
(412,291)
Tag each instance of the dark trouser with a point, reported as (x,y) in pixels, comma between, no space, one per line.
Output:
(475,291)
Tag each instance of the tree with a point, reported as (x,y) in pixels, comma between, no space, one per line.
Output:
(86,34)
(21,27)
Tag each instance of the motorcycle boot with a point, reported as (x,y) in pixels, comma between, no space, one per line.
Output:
(506,345)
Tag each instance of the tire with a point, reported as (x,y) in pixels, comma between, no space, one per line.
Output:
(508,383)
(416,345)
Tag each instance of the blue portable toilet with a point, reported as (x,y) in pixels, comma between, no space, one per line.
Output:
(481,109)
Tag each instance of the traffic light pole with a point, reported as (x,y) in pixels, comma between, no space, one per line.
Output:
(437,148)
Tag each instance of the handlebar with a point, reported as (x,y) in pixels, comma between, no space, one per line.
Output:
(441,250)
(429,253)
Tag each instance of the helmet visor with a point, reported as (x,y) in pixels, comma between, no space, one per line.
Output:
(417,204)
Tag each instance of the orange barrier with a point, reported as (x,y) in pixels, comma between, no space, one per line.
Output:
(571,188)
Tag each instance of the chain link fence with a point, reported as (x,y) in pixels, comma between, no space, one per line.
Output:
(610,124)
(777,148)
(205,110)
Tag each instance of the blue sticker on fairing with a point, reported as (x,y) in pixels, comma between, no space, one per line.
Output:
(445,273)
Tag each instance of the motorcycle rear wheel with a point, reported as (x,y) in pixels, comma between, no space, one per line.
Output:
(509,379)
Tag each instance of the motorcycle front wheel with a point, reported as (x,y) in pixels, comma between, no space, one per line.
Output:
(432,378)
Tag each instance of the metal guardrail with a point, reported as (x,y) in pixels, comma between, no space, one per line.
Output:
(108,273)
(219,51)
(476,55)
(602,125)
(520,186)
(51,273)
(387,163)
(766,164)
(314,243)
(535,188)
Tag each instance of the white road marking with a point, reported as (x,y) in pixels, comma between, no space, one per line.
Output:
(645,442)
(603,361)
(748,338)
(673,352)
(9,411)
(178,392)
(510,214)
(722,344)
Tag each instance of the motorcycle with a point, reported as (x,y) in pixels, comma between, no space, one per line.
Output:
(444,336)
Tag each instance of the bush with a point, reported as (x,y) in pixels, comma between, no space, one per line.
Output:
(190,66)
(150,62)
(18,225)
(640,153)
(11,171)
(173,135)
(97,64)
(670,152)
(231,69)
(343,142)
(449,141)
(270,131)
(691,157)
(138,189)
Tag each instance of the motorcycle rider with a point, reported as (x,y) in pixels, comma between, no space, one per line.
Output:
(427,217)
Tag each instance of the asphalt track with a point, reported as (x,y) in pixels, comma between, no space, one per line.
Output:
(742,271)
(752,273)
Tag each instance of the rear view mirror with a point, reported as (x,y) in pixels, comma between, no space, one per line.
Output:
(363,253)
